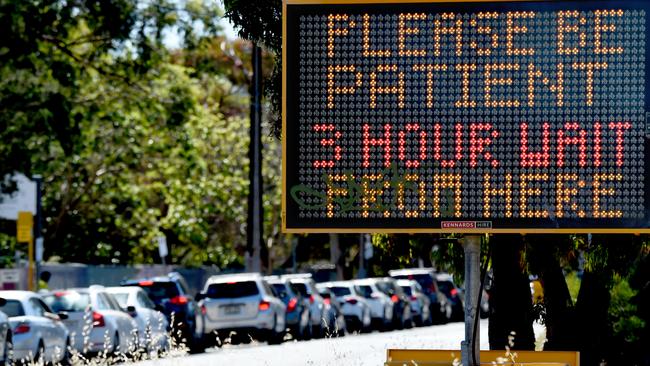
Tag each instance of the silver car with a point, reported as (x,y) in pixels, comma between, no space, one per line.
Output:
(6,347)
(305,285)
(354,307)
(381,306)
(241,307)
(152,324)
(420,303)
(96,321)
(38,334)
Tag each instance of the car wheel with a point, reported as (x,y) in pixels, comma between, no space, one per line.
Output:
(116,344)
(8,357)
(275,337)
(39,357)
(67,354)
(303,331)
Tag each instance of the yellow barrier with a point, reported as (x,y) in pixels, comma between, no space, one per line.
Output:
(421,357)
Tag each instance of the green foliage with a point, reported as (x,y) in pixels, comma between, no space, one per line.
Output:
(133,140)
(626,324)
(261,22)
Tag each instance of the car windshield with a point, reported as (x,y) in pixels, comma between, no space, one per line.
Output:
(13,308)
(340,291)
(232,290)
(68,301)
(158,291)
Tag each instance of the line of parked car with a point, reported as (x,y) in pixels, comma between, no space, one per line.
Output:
(152,315)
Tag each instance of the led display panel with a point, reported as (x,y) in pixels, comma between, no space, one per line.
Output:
(507,116)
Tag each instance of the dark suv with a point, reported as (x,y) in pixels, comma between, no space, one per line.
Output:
(441,309)
(171,295)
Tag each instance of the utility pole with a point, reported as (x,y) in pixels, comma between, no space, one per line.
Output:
(38,227)
(255,224)
(470,350)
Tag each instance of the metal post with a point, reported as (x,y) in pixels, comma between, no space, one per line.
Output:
(470,346)
(38,223)
(362,269)
(254,227)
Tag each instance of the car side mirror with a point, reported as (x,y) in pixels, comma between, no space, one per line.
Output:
(3,301)
(159,308)
(130,309)
(199,296)
(63,315)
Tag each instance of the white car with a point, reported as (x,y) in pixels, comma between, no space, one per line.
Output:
(95,320)
(152,324)
(355,308)
(6,347)
(381,306)
(38,334)
(241,307)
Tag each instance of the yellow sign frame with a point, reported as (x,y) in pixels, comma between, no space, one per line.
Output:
(285,229)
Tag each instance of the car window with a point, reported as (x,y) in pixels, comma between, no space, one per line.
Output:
(158,291)
(101,304)
(13,308)
(445,287)
(365,291)
(44,306)
(144,301)
(114,305)
(300,288)
(269,290)
(407,290)
(36,307)
(122,298)
(67,301)
(232,290)
(183,285)
(340,291)
(280,290)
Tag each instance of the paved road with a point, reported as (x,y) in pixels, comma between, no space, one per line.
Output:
(357,350)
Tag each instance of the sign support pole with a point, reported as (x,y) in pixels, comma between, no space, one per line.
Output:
(255,210)
(470,346)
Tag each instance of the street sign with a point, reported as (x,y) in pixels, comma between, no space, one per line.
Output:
(24,199)
(162,246)
(504,116)
(39,242)
(24,227)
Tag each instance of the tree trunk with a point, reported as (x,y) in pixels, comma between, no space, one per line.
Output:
(335,255)
(510,301)
(591,318)
(560,313)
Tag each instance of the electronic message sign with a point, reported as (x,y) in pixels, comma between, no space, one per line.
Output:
(505,116)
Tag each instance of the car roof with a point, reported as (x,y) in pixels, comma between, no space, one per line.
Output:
(17,294)
(340,284)
(234,277)
(444,277)
(405,283)
(122,289)
(407,271)
(297,275)
(366,281)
